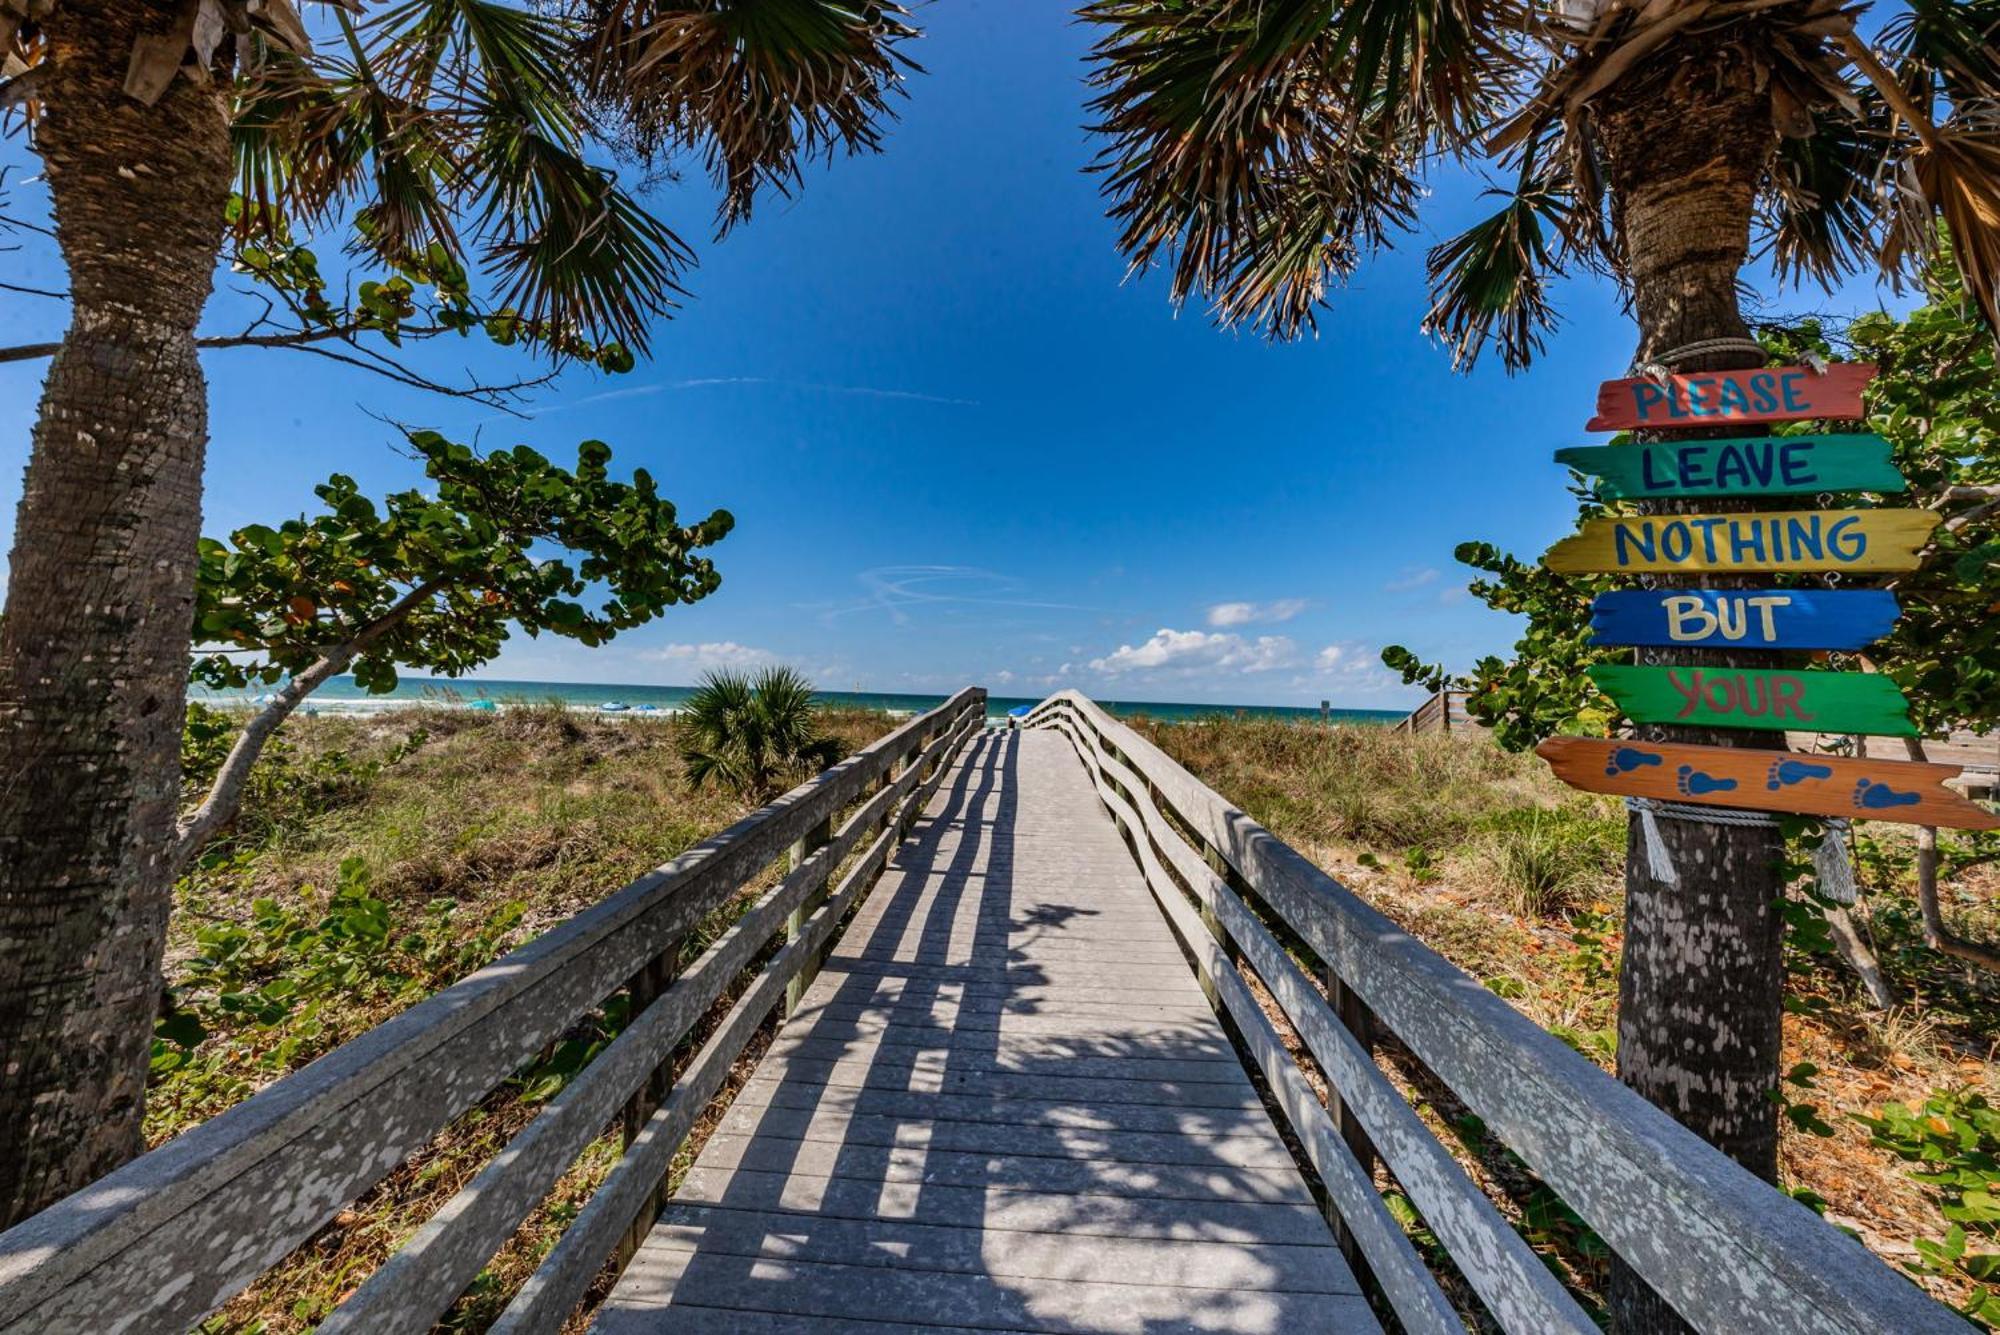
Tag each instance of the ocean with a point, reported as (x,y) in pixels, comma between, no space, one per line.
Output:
(342,696)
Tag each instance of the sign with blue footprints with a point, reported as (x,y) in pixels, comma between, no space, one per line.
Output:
(1761,780)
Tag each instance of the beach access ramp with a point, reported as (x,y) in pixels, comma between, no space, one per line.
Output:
(994,1030)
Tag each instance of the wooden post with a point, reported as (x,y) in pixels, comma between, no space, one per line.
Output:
(645,987)
(1352,1013)
(795,922)
(1220,866)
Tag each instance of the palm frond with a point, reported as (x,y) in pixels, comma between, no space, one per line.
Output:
(1947,48)
(1959,174)
(1819,209)
(442,115)
(1489,283)
(758,87)
(1235,151)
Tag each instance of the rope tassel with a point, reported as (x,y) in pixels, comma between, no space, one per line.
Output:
(1834,865)
(1657,862)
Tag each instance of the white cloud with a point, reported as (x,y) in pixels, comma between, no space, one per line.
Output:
(1412,578)
(1251,614)
(1329,658)
(710,656)
(1186,652)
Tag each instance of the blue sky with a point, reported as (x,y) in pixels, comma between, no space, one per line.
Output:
(961,446)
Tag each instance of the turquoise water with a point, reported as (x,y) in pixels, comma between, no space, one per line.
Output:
(341,695)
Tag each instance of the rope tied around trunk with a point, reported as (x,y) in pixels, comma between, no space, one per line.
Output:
(1660,367)
(1832,865)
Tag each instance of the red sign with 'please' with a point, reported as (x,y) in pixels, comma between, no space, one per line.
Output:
(1714,398)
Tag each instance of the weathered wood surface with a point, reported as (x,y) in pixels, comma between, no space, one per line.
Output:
(548,1297)
(1851,541)
(1004,1103)
(1744,618)
(419,1283)
(1516,1288)
(1731,1253)
(1739,466)
(1770,701)
(161,1242)
(1760,780)
(1717,398)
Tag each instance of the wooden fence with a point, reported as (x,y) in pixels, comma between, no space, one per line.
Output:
(1729,1252)
(1443,712)
(173,1235)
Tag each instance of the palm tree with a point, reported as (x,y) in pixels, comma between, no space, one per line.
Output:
(1261,148)
(747,733)
(449,128)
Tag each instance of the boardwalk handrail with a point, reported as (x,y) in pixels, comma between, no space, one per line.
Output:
(1728,1251)
(168,1238)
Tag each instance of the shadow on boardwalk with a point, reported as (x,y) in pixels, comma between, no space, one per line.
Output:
(1004,1105)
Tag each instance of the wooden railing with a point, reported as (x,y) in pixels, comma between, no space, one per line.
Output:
(1443,712)
(171,1236)
(1730,1253)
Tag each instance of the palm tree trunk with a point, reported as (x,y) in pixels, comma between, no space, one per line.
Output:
(1702,982)
(94,644)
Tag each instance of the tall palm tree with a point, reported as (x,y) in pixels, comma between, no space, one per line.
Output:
(455,127)
(1262,148)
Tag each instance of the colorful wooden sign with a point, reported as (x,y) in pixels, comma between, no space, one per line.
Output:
(1715,398)
(1845,540)
(1739,466)
(1760,780)
(1851,702)
(1744,618)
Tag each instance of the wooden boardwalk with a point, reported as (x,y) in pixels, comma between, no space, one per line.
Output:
(1003,1105)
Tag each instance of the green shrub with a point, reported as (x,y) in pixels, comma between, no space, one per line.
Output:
(750,733)
(1549,861)
(1955,1137)
(265,996)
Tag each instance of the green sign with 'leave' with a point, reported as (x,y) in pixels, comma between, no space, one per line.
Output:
(1847,702)
(1739,466)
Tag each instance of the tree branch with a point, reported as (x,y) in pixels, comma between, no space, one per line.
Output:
(1937,935)
(219,809)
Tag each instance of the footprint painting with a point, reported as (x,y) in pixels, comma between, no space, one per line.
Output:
(1872,796)
(1785,773)
(1628,758)
(1694,783)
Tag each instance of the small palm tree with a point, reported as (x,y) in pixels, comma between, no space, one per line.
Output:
(454,136)
(748,733)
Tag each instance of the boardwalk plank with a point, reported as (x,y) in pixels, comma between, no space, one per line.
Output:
(1047,1105)
(1003,1105)
(1079,1214)
(811,1292)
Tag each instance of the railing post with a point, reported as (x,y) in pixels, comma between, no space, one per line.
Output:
(1218,864)
(646,987)
(815,839)
(1354,1014)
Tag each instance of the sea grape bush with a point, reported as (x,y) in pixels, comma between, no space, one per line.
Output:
(1954,1137)
(259,997)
